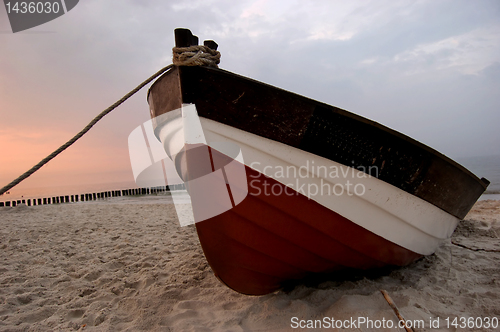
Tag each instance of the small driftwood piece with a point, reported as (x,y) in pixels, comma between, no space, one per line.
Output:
(395,308)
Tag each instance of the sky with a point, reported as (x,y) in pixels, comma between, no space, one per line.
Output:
(428,69)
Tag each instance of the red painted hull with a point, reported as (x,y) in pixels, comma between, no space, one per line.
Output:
(268,239)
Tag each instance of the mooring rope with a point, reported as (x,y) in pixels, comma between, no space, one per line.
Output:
(182,56)
(198,55)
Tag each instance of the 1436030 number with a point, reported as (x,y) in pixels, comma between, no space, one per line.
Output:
(472,323)
(33,7)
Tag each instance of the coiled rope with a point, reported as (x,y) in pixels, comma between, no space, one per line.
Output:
(182,56)
(198,55)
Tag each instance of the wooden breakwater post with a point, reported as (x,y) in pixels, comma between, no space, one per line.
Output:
(90,196)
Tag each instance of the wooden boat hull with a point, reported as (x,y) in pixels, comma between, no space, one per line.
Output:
(267,240)
(260,241)
(278,231)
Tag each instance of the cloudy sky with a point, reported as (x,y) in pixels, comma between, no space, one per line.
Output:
(429,69)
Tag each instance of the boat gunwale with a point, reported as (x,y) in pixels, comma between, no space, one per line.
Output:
(336,110)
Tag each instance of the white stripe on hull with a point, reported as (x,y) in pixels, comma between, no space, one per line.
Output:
(383,209)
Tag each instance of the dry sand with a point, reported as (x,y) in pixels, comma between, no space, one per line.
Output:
(130,267)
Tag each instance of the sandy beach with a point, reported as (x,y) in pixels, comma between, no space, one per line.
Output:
(113,266)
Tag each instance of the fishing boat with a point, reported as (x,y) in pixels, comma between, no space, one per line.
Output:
(306,187)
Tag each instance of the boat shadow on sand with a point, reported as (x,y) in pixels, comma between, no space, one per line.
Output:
(348,278)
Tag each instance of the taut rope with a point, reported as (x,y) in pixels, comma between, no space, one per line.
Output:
(182,56)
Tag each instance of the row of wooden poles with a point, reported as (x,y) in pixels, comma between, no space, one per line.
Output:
(92,196)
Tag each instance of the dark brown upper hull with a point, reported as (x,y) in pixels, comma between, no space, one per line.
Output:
(320,129)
